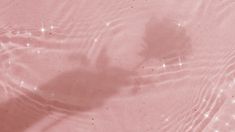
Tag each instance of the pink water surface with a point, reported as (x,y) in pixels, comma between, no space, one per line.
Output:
(117,66)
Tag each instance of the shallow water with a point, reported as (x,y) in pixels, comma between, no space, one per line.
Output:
(129,66)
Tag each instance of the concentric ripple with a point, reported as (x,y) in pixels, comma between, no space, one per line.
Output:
(129,66)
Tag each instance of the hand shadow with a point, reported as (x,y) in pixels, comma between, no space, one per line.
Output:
(72,92)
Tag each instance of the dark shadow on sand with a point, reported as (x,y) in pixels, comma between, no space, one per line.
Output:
(164,39)
(84,89)
(72,92)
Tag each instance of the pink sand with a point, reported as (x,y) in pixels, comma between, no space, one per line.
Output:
(117,66)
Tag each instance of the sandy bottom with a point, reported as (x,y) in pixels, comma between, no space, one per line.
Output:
(117,66)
